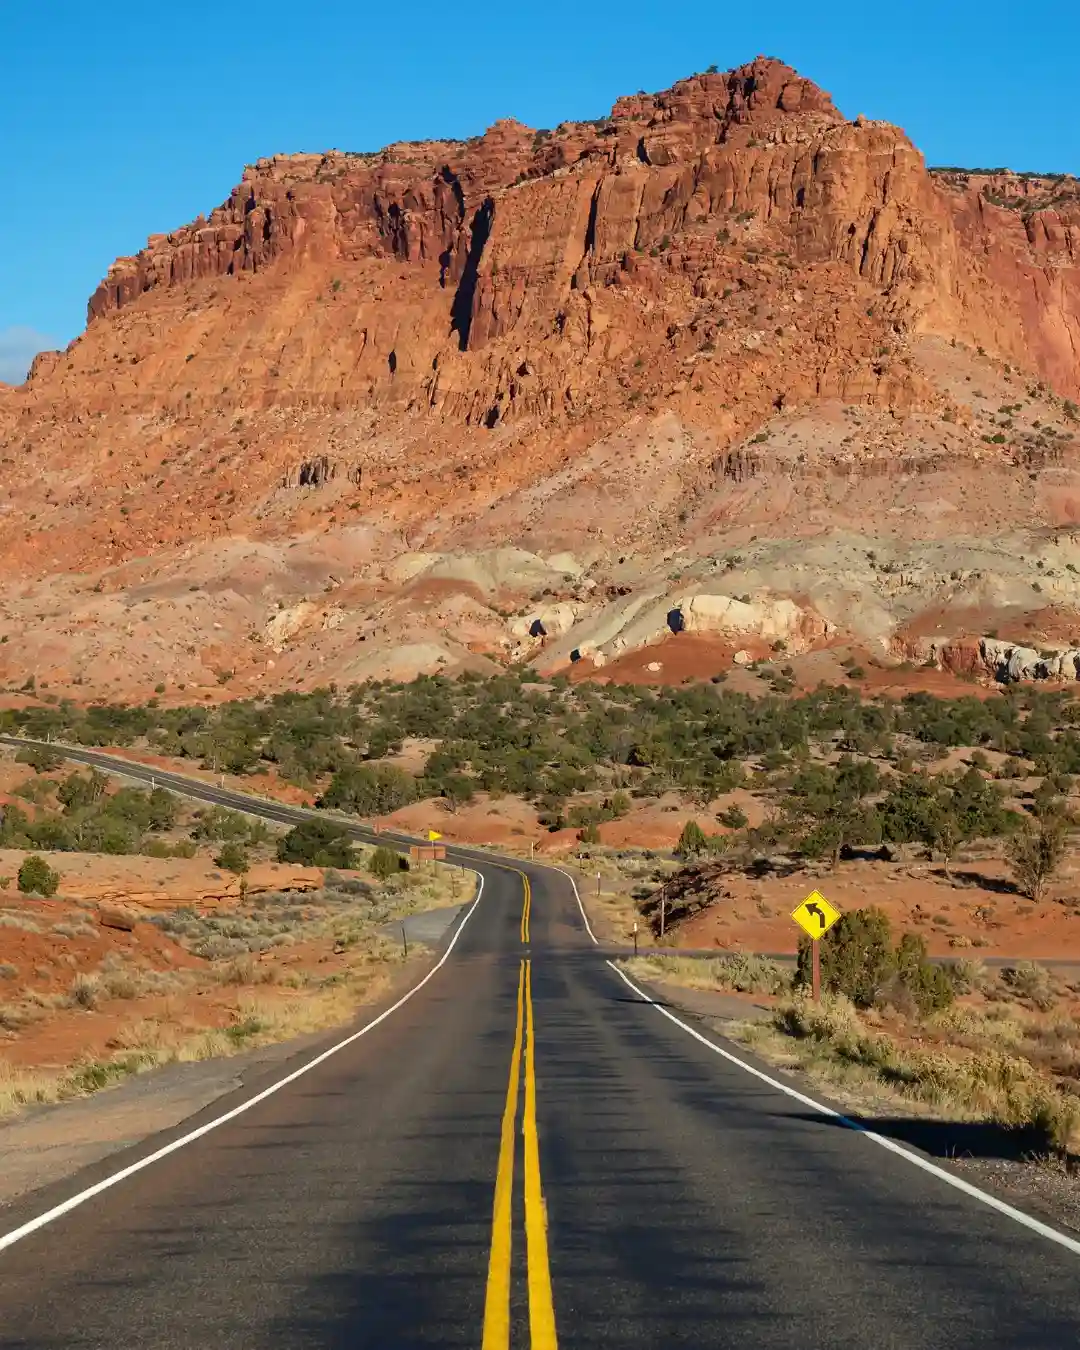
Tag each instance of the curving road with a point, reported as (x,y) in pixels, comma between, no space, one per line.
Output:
(525,1152)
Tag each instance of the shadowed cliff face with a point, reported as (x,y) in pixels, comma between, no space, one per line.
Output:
(568,339)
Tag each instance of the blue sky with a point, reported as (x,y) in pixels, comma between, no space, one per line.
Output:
(119,119)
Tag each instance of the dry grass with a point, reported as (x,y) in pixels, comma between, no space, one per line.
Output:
(148,1043)
(738,972)
(19,1088)
(74,929)
(9,919)
(294,1001)
(976,1065)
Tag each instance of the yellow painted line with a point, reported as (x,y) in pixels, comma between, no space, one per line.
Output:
(497,1300)
(541,1303)
(526,908)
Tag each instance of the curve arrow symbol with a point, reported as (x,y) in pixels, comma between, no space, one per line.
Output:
(819,912)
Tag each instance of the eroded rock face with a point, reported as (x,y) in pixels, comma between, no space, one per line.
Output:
(562,340)
(517,226)
(768,618)
(733,237)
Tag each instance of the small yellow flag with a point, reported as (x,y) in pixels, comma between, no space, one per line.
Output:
(433,835)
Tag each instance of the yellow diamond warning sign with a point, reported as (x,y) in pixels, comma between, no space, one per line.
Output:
(815,916)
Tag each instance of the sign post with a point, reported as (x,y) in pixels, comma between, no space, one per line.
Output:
(815,916)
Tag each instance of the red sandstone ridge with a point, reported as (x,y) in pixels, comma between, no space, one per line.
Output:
(564,340)
(515,220)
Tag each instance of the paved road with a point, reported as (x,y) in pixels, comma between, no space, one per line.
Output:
(395,1195)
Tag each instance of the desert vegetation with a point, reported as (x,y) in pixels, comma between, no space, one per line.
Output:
(896,1033)
(83,811)
(190,984)
(836,772)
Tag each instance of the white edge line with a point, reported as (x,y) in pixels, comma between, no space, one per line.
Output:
(1018,1216)
(577,897)
(32,1225)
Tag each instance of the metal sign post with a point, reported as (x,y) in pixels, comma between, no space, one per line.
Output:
(815,916)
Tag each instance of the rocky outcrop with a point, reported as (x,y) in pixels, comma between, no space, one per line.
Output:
(598,636)
(1005,662)
(1009,663)
(518,228)
(772,619)
(534,342)
(547,621)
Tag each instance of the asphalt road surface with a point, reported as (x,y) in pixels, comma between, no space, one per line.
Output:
(527,1153)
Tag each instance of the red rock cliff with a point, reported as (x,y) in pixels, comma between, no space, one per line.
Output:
(506,227)
(722,250)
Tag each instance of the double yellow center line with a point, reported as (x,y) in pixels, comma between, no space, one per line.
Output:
(497,1301)
(526,909)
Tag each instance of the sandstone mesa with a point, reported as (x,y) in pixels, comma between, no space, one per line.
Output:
(724,362)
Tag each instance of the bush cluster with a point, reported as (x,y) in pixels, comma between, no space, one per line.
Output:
(90,819)
(860,960)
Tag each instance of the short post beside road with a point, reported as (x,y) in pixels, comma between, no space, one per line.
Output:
(598,883)
(635,937)
(405,942)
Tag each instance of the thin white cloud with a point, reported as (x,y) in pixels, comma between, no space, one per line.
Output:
(18,347)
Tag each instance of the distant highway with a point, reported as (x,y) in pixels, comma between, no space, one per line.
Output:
(524,1152)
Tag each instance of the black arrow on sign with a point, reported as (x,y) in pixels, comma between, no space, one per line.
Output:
(816,909)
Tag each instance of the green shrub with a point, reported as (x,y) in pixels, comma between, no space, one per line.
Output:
(317,843)
(369,789)
(386,862)
(856,956)
(232,857)
(36,877)
(39,758)
(859,961)
(931,986)
(692,840)
(1035,854)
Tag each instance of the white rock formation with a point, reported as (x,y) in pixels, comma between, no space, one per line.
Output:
(1011,663)
(555,619)
(769,617)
